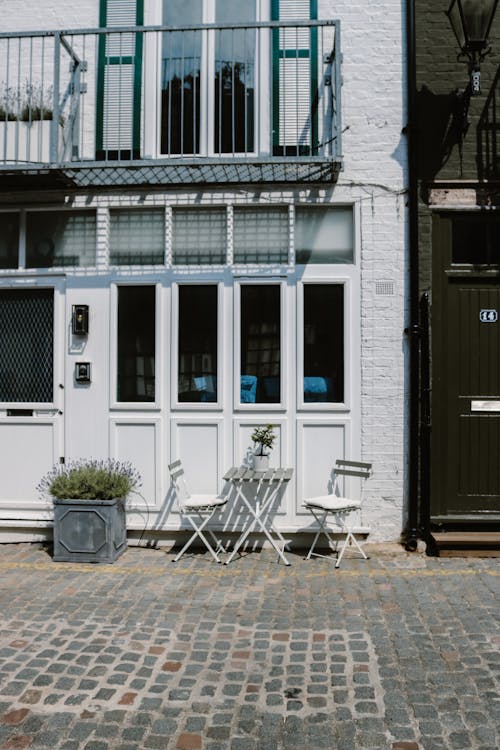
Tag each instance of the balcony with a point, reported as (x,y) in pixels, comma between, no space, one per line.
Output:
(159,106)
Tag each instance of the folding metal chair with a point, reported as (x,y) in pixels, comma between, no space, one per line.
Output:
(340,508)
(198,510)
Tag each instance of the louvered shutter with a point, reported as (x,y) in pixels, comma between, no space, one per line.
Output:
(119,81)
(294,80)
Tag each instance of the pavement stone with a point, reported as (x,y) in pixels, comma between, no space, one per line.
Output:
(399,652)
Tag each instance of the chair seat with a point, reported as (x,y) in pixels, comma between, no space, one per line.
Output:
(332,503)
(203,501)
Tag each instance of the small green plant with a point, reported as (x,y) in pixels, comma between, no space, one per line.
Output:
(263,438)
(90,479)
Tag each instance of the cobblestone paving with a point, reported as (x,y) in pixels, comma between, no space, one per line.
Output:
(397,652)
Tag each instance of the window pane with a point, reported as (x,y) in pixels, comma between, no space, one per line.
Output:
(260,344)
(197,377)
(181,62)
(260,235)
(323,343)
(137,237)
(324,235)
(9,240)
(476,240)
(60,238)
(234,78)
(26,345)
(199,236)
(136,343)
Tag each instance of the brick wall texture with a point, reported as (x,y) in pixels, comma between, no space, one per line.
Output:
(374,180)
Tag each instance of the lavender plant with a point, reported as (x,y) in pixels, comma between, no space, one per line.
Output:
(90,479)
(27,102)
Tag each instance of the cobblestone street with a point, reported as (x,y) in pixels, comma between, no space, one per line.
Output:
(398,652)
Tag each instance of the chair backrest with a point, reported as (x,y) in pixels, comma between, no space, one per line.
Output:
(360,469)
(179,481)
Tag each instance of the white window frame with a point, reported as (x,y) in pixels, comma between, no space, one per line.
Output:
(346,283)
(116,405)
(254,407)
(196,405)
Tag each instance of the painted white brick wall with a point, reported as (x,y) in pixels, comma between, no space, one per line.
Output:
(373,116)
(29,15)
(374,178)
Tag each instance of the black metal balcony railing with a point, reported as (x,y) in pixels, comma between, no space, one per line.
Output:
(200,103)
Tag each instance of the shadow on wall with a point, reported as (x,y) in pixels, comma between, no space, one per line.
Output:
(442,125)
(488,130)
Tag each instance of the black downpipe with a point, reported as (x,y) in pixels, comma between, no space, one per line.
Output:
(413,330)
(425,419)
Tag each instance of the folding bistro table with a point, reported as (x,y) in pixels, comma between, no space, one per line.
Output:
(265,486)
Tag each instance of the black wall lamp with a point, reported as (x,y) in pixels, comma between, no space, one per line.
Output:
(80,320)
(471,23)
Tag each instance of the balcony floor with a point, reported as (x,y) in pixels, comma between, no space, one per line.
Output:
(158,173)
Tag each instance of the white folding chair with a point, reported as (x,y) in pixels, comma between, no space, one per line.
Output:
(340,508)
(198,510)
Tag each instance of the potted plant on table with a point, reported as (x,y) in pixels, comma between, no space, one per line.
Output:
(263,439)
(89,498)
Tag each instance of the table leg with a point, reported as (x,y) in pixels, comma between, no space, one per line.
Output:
(257,513)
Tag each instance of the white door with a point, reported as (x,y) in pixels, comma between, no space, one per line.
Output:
(31,389)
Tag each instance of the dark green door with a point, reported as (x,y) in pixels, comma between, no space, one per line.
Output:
(465,446)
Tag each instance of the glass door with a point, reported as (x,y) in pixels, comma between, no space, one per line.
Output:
(31,387)
(207,78)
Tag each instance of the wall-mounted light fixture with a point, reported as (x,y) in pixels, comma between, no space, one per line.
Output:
(471,23)
(82,372)
(80,320)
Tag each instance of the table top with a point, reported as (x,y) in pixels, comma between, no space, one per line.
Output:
(244,474)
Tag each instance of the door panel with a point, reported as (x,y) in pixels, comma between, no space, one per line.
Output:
(31,392)
(466,398)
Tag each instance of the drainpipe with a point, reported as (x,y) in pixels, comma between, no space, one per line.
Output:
(413,329)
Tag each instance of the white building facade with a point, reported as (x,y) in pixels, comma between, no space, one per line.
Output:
(220,187)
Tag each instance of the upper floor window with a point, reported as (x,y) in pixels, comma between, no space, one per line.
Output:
(60,238)
(207,78)
(137,237)
(260,234)
(9,239)
(199,236)
(324,234)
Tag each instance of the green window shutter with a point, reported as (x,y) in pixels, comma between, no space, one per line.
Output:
(118,112)
(295,80)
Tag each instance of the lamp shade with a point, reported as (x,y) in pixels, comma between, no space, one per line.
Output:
(471,22)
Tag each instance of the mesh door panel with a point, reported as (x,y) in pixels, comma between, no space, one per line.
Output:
(26,345)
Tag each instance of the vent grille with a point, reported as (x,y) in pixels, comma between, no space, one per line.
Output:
(384,288)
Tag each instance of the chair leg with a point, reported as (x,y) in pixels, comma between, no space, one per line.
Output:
(218,546)
(199,532)
(350,538)
(322,530)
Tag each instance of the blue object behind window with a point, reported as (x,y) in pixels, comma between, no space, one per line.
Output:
(318,389)
(208,386)
(248,389)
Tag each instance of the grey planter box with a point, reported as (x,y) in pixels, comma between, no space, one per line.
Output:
(89,530)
